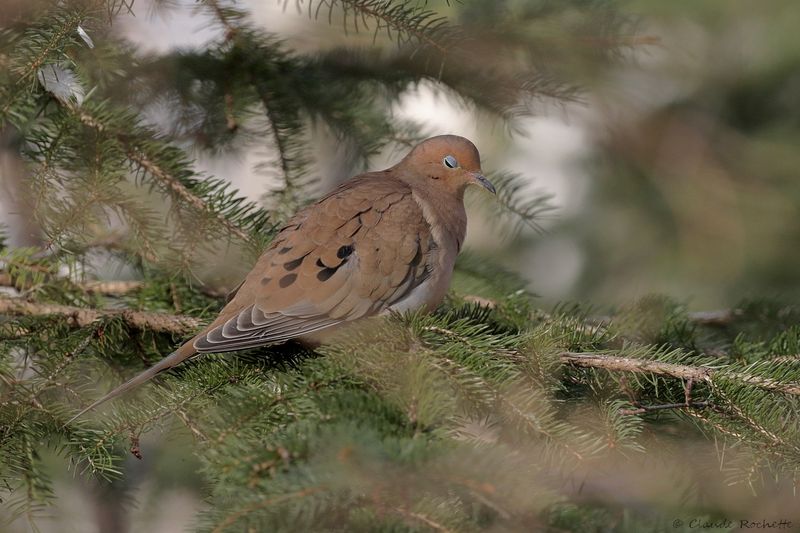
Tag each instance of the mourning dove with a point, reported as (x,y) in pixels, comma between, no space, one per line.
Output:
(382,241)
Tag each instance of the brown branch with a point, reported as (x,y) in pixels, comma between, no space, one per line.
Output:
(111,288)
(189,423)
(81,317)
(640,366)
(117,287)
(766,383)
(695,373)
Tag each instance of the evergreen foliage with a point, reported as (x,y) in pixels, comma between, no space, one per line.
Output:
(489,414)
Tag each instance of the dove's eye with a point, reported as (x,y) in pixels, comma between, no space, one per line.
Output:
(450,161)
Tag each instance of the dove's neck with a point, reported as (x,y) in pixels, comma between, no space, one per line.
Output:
(446,217)
(448,222)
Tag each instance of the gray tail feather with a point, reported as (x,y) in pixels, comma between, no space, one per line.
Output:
(179,355)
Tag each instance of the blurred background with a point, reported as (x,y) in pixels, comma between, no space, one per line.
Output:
(673,171)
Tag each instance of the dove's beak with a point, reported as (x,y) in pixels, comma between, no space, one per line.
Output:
(481,180)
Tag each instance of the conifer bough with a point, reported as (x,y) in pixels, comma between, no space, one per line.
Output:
(182,325)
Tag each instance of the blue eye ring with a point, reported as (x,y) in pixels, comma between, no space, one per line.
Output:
(449,161)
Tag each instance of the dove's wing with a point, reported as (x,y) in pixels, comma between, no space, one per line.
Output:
(357,252)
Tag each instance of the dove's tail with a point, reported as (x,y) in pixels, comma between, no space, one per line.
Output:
(178,356)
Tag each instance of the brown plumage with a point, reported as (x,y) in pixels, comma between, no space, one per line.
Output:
(382,241)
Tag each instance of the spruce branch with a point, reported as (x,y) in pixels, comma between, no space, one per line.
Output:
(38,46)
(111,288)
(772,437)
(278,136)
(264,64)
(696,373)
(226,17)
(107,288)
(515,208)
(182,325)
(69,358)
(81,316)
(422,518)
(408,22)
(616,363)
(232,518)
(180,190)
(169,181)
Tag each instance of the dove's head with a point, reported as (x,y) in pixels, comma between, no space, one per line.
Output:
(445,162)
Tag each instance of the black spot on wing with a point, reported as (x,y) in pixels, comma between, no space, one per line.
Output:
(265,281)
(320,263)
(326,273)
(284,250)
(287,280)
(344,251)
(291,265)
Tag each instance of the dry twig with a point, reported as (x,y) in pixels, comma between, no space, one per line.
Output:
(81,317)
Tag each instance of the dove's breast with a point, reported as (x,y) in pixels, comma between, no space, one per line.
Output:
(447,228)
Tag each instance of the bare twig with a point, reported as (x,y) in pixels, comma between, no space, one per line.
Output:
(109,288)
(189,423)
(694,373)
(81,317)
(627,364)
(120,288)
